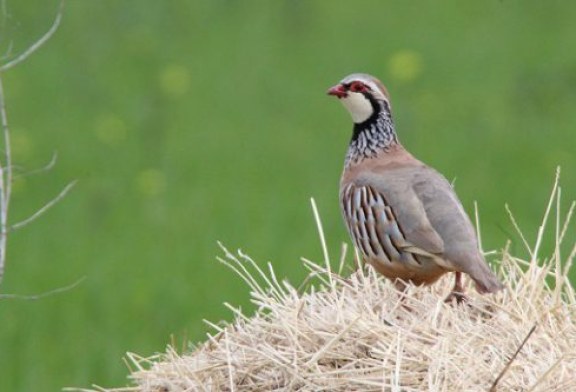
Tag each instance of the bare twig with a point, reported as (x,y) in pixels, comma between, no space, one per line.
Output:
(20,172)
(36,45)
(6,168)
(44,208)
(47,167)
(5,180)
(35,297)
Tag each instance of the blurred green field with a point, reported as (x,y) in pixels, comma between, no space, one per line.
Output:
(188,122)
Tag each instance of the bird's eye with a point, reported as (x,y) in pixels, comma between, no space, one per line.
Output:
(357,87)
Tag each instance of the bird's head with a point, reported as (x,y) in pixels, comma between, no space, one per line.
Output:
(363,95)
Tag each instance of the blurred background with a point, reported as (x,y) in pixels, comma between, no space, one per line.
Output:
(188,122)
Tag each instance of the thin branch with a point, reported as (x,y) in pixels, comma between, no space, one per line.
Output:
(36,45)
(495,383)
(45,207)
(35,297)
(5,181)
(49,166)
(6,169)
(20,171)
(7,186)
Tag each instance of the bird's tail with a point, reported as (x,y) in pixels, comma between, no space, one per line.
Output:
(486,281)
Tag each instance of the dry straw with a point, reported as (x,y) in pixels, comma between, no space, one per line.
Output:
(358,333)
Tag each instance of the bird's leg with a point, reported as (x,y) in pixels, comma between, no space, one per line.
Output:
(457,293)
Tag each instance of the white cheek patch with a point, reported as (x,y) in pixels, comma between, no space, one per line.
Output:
(359,107)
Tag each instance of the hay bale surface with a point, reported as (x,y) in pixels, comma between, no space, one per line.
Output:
(360,334)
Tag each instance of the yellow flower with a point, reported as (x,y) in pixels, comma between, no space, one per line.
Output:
(151,182)
(175,80)
(110,129)
(405,65)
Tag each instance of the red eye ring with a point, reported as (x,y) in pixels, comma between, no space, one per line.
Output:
(358,87)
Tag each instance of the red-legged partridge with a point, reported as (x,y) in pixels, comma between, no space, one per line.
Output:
(402,215)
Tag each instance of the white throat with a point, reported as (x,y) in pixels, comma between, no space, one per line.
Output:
(359,107)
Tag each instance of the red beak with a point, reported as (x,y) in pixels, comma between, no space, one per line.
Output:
(338,91)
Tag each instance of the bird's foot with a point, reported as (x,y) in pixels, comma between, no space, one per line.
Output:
(456,297)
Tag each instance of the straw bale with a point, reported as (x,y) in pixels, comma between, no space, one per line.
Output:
(358,333)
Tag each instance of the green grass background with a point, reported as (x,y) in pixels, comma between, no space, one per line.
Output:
(188,122)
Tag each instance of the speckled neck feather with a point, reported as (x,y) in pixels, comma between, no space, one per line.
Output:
(374,135)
